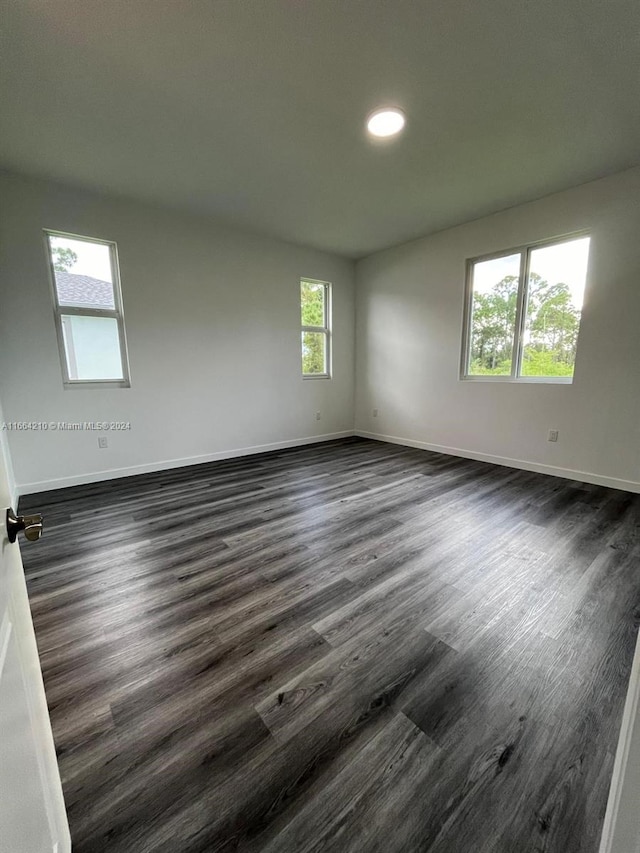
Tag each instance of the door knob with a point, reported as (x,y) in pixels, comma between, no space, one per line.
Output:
(31,524)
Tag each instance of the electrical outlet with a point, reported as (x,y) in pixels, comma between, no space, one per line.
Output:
(375,413)
(317,416)
(553,435)
(103,442)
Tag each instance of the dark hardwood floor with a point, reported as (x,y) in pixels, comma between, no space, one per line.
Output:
(345,647)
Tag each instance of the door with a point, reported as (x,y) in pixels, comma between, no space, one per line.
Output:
(32,813)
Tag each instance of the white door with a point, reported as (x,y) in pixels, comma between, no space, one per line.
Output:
(32,813)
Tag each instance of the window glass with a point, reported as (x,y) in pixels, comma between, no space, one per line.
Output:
(524,311)
(312,299)
(493,315)
(82,272)
(314,353)
(88,310)
(555,291)
(314,314)
(92,347)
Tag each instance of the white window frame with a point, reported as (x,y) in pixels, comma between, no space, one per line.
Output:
(115,313)
(521,313)
(325,329)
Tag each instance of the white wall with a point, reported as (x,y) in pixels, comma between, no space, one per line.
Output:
(212,324)
(409,326)
(6,457)
(212,317)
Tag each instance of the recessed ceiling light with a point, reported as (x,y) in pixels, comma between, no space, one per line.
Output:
(385,122)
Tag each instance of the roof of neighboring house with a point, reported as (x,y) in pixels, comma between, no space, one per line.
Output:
(83,290)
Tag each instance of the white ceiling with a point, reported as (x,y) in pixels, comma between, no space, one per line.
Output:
(253,110)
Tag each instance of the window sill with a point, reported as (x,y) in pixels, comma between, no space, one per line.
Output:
(316,376)
(103,384)
(522,380)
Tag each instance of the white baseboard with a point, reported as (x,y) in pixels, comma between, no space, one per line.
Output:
(525,465)
(167,464)
(164,465)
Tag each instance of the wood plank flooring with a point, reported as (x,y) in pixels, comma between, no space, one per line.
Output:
(351,646)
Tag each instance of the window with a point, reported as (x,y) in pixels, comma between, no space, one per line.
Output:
(315,310)
(523,312)
(88,309)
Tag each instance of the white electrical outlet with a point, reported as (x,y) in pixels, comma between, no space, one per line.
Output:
(317,416)
(103,442)
(553,435)
(375,413)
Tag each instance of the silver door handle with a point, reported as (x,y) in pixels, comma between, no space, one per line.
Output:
(31,524)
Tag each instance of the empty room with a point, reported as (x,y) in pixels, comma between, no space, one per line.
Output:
(319,426)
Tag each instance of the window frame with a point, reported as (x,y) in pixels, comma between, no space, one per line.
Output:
(116,313)
(524,251)
(325,330)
